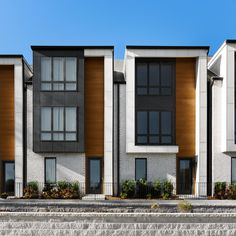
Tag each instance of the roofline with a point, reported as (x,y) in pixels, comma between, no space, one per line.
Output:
(230,40)
(47,47)
(167,47)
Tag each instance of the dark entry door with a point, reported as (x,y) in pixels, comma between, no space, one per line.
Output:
(9,177)
(95,176)
(185,180)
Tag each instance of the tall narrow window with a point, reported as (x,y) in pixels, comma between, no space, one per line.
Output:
(58,123)
(140,168)
(233,170)
(50,170)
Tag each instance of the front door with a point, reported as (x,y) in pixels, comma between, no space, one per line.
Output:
(9,177)
(94,185)
(185,178)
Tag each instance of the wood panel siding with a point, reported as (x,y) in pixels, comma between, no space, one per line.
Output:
(94,107)
(185,106)
(7,125)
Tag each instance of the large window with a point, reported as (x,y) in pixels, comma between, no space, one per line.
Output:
(50,170)
(140,168)
(233,170)
(58,123)
(154,78)
(154,127)
(58,73)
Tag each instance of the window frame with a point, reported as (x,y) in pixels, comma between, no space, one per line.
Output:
(232,170)
(160,130)
(64,82)
(136,159)
(64,125)
(45,160)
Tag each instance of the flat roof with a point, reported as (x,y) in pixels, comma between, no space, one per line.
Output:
(47,47)
(230,40)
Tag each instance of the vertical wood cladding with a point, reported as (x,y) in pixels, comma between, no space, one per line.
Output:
(185,106)
(94,107)
(7,126)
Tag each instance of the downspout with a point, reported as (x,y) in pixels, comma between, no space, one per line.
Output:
(118,138)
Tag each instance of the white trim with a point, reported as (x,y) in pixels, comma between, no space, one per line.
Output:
(98,52)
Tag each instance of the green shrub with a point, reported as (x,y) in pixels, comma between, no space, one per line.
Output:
(141,188)
(4,195)
(167,188)
(149,196)
(123,195)
(156,188)
(220,190)
(31,190)
(63,184)
(231,192)
(184,206)
(128,188)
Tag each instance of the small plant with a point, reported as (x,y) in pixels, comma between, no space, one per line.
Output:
(63,184)
(231,192)
(128,187)
(155,206)
(149,196)
(141,188)
(167,187)
(123,195)
(31,190)
(4,195)
(184,206)
(156,188)
(220,190)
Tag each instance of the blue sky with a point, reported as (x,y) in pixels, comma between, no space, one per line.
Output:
(114,22)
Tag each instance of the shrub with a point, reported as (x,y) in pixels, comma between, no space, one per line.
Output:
(63,184)
(123,195)
(155,206)
(231,192)
(4,195)
(219,190)
(141,188)
(149,196)
(167,188)
(128,188)
(31,190)
(156,188)
(184,206)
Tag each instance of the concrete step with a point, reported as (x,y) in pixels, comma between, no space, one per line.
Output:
(92,197)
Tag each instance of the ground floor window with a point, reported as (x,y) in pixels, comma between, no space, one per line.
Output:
(185,176)
(50,170)
(9,176)
(233,170)
(140,168)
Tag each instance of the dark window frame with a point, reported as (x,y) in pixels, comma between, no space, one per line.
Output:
(232,170)
(4,171)
(145,159)
(64,82)
(45,160)
(160,130)
(64,125)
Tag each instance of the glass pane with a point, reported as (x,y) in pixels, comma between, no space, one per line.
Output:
(58,136)
(95,175)
(70,69)
(70,86)
(58,69)
(141,73)
(233,170)
(9,177)
(166,74)
(166,139)
(154,140)
(153,122)
(70,136)
(142,139)
(58,118)
(46,86)
(58,86)
(50,170)
(46,136)
(142,122)
(142,91)
(166,91)
(46,119)
(70,119)
(185,177)
(46,69)
(154,74)
(166,122)
(140,169)
(153,91)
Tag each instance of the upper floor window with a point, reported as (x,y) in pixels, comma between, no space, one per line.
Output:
(154,78)
(58,123)
(58,73)
(154,127)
